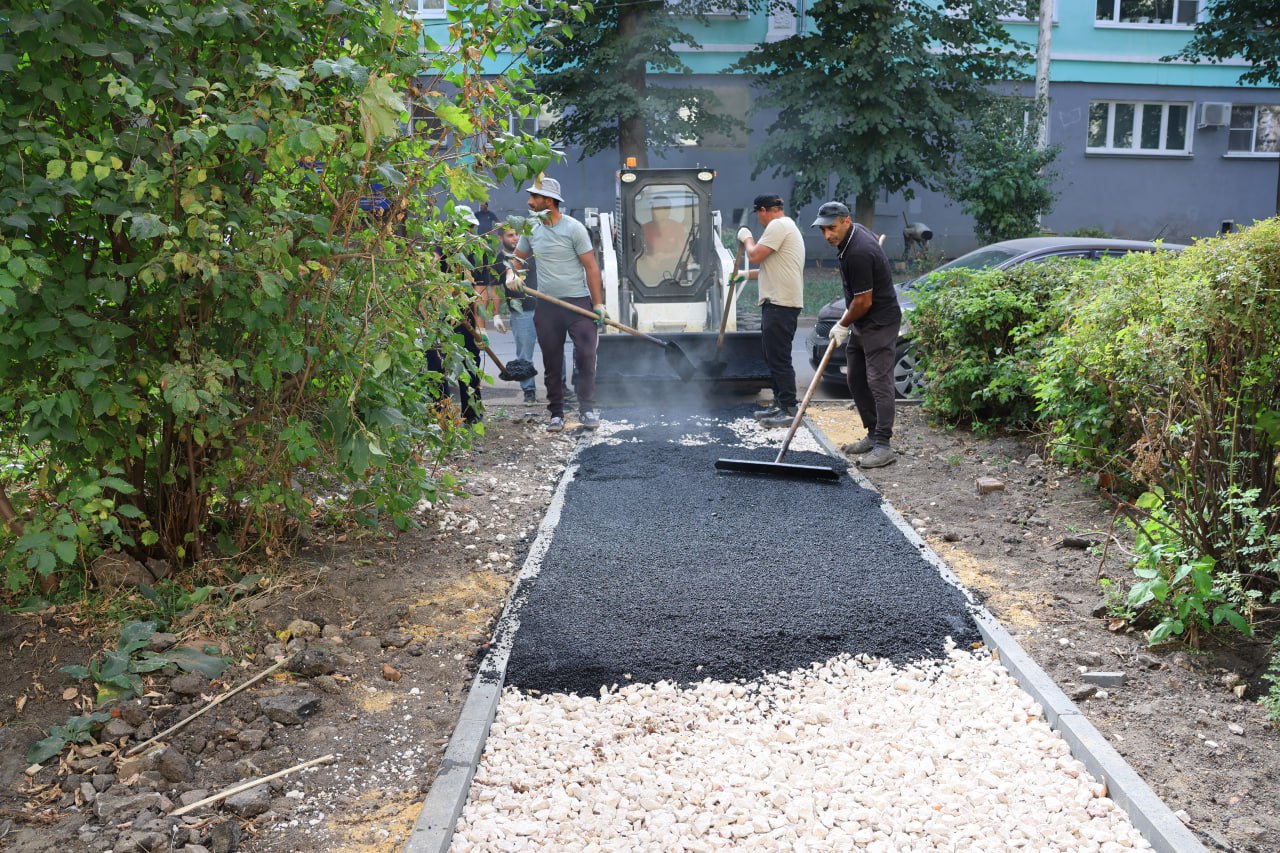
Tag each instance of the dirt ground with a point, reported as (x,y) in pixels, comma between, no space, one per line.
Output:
(384,634)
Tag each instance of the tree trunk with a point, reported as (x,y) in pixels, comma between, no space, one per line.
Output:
(632,131)
(864,209)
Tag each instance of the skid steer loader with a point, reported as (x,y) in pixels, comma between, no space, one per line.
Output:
(666,272)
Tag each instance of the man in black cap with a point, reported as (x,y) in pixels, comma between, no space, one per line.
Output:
(780,256)
(870,326)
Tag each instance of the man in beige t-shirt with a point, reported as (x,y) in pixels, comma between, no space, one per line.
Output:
(780,256)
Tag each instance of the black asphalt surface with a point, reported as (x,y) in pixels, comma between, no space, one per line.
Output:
(663,568)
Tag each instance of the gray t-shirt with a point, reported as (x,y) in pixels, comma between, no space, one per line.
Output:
(556,248)
(782,272)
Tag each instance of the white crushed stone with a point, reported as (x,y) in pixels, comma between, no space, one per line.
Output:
(851,754)
(747,431)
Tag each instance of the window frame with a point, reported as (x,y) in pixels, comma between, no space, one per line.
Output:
(1253,132)
(416,10)
(1172,23)
(1135,150)
(1030,19)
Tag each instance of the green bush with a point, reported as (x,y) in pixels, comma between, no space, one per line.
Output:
(978,334)
(204,329)
(1126,324)
(1165,373)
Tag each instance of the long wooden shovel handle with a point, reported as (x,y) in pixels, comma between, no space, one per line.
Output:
(577,309)
(808,395)
(483,346)
(730,296)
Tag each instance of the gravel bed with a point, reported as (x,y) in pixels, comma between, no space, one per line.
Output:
(853,753)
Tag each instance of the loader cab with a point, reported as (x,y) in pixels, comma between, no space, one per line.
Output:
(667,237)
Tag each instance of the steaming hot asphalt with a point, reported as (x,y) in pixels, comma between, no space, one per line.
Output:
(663,568)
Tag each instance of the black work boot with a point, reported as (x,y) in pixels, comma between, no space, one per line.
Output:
(783,417)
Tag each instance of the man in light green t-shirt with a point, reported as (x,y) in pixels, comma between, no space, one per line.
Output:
(567,269)
(780,255)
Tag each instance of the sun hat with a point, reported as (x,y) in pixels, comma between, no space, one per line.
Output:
(548,187)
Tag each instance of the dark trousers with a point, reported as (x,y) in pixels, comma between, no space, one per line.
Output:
(869,356)
(469,382)
(777,331)
(552,323)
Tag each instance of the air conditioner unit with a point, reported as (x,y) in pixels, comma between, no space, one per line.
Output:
(1214,114)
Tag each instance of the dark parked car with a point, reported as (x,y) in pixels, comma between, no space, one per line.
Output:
(1009,253)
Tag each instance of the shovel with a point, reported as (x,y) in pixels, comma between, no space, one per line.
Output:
(777,467)
(716,366)
(516,370)
(676,358)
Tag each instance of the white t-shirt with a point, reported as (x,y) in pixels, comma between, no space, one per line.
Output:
(782,272)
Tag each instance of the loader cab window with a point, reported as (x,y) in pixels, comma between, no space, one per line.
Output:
(669,227)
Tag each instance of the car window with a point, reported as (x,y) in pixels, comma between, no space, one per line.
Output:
(1076,254)
(980,259)
(1118,253)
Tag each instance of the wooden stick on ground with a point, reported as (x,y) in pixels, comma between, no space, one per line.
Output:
(213,704)
(244,786)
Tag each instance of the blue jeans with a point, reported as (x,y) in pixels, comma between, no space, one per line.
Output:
(526,337)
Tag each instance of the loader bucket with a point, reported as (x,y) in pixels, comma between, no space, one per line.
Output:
(627,360)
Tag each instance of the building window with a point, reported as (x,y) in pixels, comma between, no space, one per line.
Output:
(1255,129)
(1174,12)
(1126,127)
(425,8)
(1030,13)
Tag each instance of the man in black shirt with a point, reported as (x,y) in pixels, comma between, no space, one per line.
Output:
(870,325)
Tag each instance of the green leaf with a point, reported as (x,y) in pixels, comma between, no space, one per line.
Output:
(192,660)
(135,635)
(66,552)
(42,750)
(55,169)
(250,133)
(456,117)
(144,226)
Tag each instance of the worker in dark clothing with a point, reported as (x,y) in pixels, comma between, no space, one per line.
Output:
(487,219)
(472,338)
(870,325)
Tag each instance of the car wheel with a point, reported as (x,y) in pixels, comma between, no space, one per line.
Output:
(908,382)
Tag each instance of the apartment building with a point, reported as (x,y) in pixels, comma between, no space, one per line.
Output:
(1147,148)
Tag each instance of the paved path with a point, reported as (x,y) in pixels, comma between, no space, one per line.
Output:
(663,567)
(654,567)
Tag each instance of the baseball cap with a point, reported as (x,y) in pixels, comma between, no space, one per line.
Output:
(766,201)
(548,187)
(829,213)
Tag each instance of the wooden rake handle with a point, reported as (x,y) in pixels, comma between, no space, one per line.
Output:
(808,395)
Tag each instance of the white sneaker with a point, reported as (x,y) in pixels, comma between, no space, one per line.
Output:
(555,425)
(590,419)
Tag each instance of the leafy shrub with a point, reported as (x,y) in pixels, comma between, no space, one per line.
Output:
(1165,373)
(1271,700)
(1127,322)
(219,267)
(1177,585)
(1092,231)
(978,335)
(118,673)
